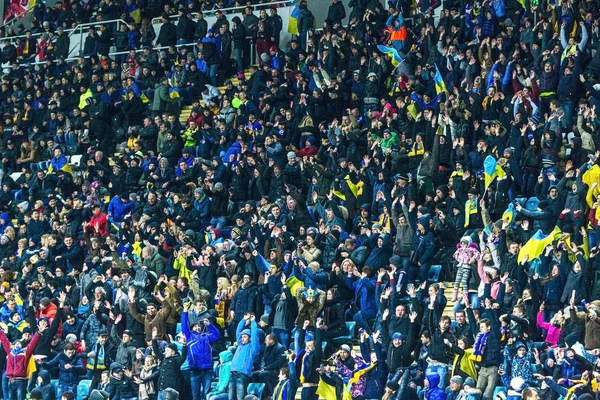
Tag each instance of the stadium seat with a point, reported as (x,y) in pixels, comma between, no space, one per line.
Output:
(256,389)
(351,325)
(83,389)
(76,160)
(499,389)
(178,330)
(434,273)
(55,384)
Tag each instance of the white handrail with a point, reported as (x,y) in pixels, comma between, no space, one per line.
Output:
(70,30)
(156,20)
(116,53)
(81,26)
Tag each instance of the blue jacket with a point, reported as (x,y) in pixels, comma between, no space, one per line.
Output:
(244,356)
(434,392)
(117,210)
(364,295)
(66,376)
(199,353)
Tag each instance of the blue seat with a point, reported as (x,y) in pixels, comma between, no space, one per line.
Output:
(351,325)
(434,273)
(256,389)
(83,389)
(499,389)
(54,383)
(178,330)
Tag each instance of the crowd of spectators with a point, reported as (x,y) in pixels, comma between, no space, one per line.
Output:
(313,202)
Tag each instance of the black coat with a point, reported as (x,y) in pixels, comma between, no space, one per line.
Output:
(169,369)
(167,35)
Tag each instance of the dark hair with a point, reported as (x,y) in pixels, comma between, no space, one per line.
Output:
(285,371)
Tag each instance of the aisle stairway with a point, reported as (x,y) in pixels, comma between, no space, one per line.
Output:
(186,110)
(183,117)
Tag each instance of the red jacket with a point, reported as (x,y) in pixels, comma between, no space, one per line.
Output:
(49,312)
(16,364)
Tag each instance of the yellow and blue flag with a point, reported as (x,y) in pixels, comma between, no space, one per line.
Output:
(509,214)
(492,170)
(392,52)
(293,21)
(440,85)
(294,283)
(537,244)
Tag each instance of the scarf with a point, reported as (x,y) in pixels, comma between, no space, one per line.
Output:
(479,347)
(280,392)
(504,331)
(83,309)
(470,208)
(146,389)
(97,362)
(303,369)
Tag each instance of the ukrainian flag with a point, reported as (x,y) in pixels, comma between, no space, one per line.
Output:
(492,170)
(537,244)
(509,214)
(392,52)
(293,22)
(66,167)
(440,86)
(294,283)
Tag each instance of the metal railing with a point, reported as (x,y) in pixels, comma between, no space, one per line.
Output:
(80,27)
(116,53)
(230,10)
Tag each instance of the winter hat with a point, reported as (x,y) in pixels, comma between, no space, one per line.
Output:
(35,394)
(467,240)
(173,347)
(315,266)
(457,379)
(517,383)
(291,155)
(44,302)
(345,348)
(71,337)
(469,382)
(397,335)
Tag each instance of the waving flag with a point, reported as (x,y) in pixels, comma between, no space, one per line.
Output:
(509,214)
(392,52)
(492,170)
(536,245)
(293,21)
(422,104)
(440,85)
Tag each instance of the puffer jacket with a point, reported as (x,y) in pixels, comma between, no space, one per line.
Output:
(224,373)
(364,295)
(199,354)
(66,376)
(90,329)
(433,392)
(16,362)
(329,251)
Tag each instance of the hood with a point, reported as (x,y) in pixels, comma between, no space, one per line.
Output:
(45,375)
(226,356)
(424,220)
(434,380)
